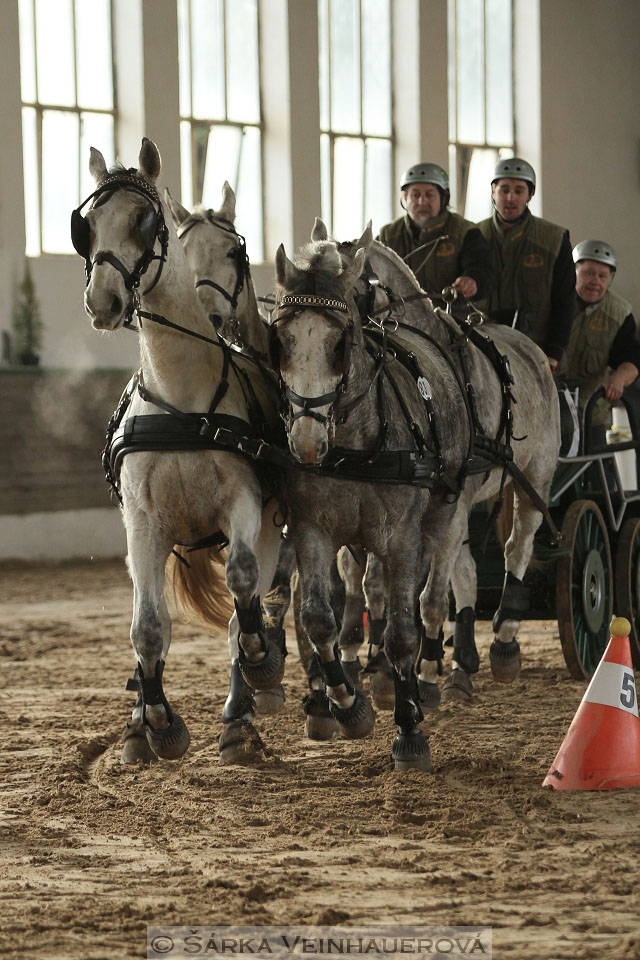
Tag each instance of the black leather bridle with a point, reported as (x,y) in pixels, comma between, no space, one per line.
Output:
(152,228)
(289,306)
(243,269)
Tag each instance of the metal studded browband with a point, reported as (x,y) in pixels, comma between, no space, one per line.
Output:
(138,183)
(308,300)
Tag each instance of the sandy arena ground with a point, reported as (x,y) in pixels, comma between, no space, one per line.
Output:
(92,851)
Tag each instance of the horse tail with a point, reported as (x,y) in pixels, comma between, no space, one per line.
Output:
(504,524)
(504,520)
(199,590)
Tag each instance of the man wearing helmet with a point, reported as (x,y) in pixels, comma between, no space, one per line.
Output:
(535,286)
(603,347)
(442,248)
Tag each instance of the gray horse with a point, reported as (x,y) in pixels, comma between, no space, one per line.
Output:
(366,406)
(536,433)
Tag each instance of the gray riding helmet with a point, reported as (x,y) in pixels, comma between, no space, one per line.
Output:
(517,169)
(425,173)
(596,250)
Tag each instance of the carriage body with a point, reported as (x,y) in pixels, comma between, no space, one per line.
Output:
(594,573)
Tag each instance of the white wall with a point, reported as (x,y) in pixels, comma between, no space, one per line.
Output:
(590,126)
(577,105)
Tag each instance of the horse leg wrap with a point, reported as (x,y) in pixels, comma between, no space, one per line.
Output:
(376,629)
(240,704)
(465,653)
(432,648)
(250,619)
(431,653)
(407,713)
(151,690)
(376,658)
(172,741)
(410,749)
(134,739)
(333,673)
(514,602)
(266,672)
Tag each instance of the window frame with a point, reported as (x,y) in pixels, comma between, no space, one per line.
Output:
(40,107)
(334,134)
(461,150)
(200,123)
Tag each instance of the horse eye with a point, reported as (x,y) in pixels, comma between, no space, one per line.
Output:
(232,254)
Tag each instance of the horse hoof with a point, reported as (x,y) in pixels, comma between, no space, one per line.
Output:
(172,742)
(135,747)
(356,721)
(266,673)
(240,743)
(319,724)
(411,752)
(270,702)
(457,686)
(429,694)
(382,690)
(505,660)
(351,670)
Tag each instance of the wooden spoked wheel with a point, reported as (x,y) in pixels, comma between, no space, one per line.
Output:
(627,582)
(584,590)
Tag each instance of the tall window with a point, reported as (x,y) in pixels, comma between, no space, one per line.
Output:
(220,115)
(481,128)
(355,114)
(66,72)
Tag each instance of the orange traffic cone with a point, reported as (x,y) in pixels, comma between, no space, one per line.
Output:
(601,750)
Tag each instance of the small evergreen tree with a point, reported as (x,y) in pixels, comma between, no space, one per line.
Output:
(27,323)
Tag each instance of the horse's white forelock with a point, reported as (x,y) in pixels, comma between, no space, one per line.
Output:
(321,254)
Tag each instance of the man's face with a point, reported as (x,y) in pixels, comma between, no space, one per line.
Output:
(592,280)
(510,197)
(422,201)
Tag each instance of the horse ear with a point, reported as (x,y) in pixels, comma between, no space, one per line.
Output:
(366,238)
(319,231)
(286,271)
(178,213)
(97,166)
(356,267)
(228,209)
(149,162)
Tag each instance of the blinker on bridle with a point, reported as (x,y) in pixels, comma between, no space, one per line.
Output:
(152,227)
(290,305)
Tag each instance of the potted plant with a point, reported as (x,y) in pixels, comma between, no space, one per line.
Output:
(27,323)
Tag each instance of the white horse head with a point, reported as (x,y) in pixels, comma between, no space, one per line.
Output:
(124,220)
(314,343)
(213,251)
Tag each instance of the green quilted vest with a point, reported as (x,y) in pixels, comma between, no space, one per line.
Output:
(443,265)
(587,356)
(524,257)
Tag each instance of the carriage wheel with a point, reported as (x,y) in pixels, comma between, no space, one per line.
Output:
(627,582)
(584,592)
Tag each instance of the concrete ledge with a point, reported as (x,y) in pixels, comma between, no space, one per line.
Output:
(63,535)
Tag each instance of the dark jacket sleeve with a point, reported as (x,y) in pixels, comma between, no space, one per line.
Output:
(625,347)
(563,290)
(475,261)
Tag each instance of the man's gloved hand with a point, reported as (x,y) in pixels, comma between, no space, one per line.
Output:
(466,286)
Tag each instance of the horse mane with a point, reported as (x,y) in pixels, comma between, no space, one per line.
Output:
(396,260)
(318,260)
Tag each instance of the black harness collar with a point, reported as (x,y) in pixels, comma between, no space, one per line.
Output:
(152,228)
